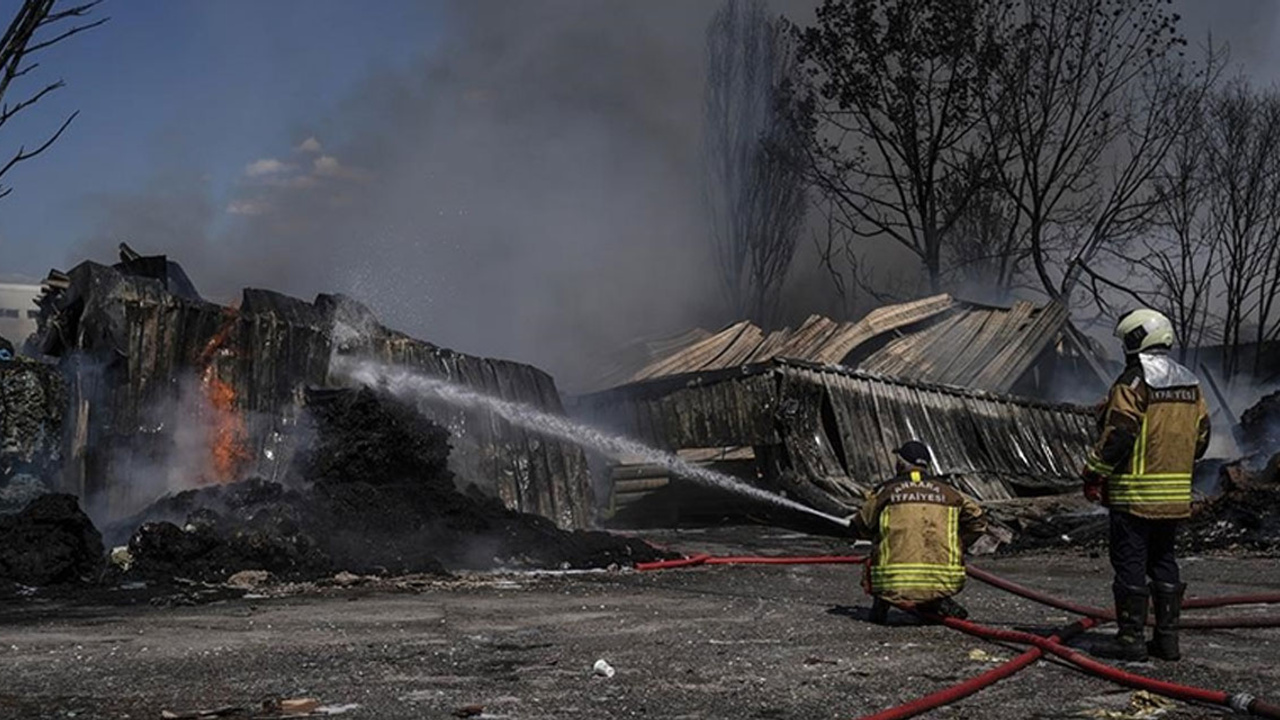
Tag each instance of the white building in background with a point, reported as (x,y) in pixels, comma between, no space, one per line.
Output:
(18,312)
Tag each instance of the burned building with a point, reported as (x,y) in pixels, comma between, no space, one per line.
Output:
(815,411)
(32,405)
(160,380)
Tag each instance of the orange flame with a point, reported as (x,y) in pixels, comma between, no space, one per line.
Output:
(228,441)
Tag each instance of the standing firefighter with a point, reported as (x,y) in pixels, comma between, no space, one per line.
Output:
(920,526)
(1151,431)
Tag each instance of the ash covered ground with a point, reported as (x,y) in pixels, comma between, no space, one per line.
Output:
(372,494)
(711,642)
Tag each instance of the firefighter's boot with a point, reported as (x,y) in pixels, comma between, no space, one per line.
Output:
(1167,600)
(947,607)
(1130,642)
(879,611)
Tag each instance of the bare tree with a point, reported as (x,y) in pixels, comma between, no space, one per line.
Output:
(986,245)
(37,26)
(1211,257)
(893,115)
(1173,266)
(756,193)
(1243,153)
(1182,253)
(1093,94)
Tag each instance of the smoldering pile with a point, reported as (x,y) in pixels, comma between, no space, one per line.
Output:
(371,494)
(1243,514)
(1260,426)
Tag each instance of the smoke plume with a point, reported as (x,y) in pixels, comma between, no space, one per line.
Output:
(529,190)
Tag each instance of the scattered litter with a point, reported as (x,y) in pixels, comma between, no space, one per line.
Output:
(121,557)
(980,655)
(218,712)
(603,669)
(337,709)
(298,706)
(347,579)
(1142,706)
(249,579)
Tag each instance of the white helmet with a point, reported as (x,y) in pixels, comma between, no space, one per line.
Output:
(1143,329)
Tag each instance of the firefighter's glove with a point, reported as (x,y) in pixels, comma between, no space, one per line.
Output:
(1094,484)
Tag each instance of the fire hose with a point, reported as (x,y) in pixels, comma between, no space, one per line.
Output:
(1104,614)
(1241,702)
(946,696)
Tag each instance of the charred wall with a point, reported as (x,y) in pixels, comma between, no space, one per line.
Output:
(32,424)
(132,349)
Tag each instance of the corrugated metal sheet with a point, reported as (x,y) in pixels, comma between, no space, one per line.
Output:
(822,414)
(936,339)
(128,345)
(972,346)
(621,367)
(818,339)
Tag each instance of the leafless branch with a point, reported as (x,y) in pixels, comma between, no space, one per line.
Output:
(20,41)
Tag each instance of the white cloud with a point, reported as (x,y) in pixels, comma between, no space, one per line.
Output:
(265,166)
(327,166)
(247,207)
(310,145)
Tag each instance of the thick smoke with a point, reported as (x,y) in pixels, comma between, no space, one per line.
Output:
(530,190)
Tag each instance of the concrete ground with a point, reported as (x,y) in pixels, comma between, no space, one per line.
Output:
(710,642)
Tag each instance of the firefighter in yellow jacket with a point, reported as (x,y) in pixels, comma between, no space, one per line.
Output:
(920,526)
(1152,429)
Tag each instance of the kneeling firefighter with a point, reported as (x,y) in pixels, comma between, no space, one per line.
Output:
(1152,428)
(920,526)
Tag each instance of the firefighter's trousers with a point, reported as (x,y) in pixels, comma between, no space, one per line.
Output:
(1142,548)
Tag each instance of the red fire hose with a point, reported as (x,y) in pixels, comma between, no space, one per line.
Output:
(1242,702)
(814,560)
(1239,702)
(1218,622)
(946,696)
(678,563)
(705,559)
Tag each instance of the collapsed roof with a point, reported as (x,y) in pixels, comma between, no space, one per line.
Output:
(836,427)
(938,339)
(827,401)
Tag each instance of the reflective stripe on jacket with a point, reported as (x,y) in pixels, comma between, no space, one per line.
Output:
(1154,426)
(920,527)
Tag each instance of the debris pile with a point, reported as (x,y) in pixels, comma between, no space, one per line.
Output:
(152,370)
(1243,516)
(1246,516)
(50,541)
(372,494)
(1260,425)
(32,405)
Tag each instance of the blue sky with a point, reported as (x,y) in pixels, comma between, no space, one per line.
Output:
(169,84)
(202,88)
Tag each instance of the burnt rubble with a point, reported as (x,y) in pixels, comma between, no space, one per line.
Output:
(50,541)
(32,403)
(145,358)
(371,494)
(1243,515)
(1260,425)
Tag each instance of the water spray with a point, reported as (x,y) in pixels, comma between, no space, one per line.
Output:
(401,381)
